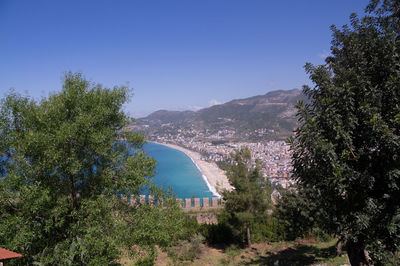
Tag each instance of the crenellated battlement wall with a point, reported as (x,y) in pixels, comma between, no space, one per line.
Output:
(188,204)
(197,204)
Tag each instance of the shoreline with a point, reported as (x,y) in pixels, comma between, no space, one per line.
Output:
(215,178)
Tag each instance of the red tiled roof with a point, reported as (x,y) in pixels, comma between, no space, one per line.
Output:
(6,254)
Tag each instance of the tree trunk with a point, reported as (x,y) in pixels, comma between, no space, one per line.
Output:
(356,253)
(248,235)
(73,193)
(339,247)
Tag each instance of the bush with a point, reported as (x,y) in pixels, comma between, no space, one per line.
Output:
(268,229)
(191,249)
(187,250)
(220,233)
(298,216)
(232,251)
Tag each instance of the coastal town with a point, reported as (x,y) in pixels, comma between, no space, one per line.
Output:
(274,155)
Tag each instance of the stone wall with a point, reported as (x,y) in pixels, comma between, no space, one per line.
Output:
(195,204)
(205,217)
(188,204)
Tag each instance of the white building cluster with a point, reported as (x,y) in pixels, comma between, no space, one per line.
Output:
(274,155)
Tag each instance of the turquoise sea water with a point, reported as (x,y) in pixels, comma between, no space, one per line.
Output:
(176,169)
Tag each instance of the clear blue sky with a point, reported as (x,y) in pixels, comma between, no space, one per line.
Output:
(176,54)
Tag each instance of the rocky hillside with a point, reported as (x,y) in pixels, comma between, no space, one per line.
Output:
(266,117)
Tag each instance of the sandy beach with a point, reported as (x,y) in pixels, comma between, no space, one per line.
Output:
(214,175)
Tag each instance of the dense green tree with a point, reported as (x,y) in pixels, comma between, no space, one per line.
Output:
(64,160)
(248,201)
(145,226)
(298,215)
(162,226)
(346,153)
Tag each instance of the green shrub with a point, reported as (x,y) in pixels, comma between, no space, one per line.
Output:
(232,251)
(268,229)
(220,233)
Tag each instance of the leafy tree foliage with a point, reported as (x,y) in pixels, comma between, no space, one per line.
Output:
(63,163)
(159,225)
(346,153)
(298,215)
(140,228)
(248,201)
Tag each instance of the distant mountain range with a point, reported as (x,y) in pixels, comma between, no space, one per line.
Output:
(264,117)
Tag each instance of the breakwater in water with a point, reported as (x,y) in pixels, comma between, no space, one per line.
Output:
(187,204)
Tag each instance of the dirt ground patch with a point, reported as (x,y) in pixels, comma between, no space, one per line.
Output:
(302,252)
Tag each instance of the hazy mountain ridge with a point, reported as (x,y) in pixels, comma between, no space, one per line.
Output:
(268,116)
(165,116)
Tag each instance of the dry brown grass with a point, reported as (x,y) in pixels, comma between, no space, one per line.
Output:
(301,252)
